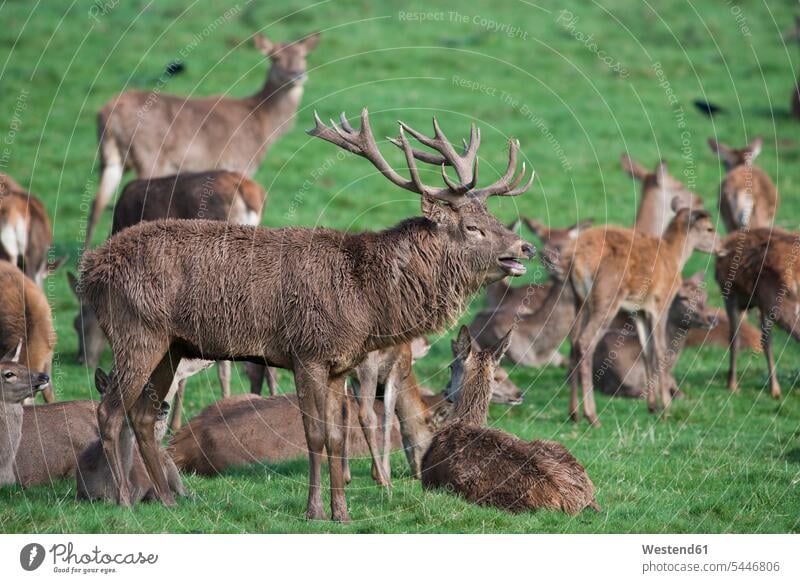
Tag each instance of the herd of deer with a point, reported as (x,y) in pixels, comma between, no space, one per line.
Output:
(188,278)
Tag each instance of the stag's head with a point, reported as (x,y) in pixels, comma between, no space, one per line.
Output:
(733,157)
(288,59)
(457,209)
(17,383)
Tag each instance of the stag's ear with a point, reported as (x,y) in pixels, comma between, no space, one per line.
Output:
(441,214)
(514,226)
(499,351)
(264,45)
(462,345)
(754,148)
(633,168)
(13,354)
(310,42)
(101,381)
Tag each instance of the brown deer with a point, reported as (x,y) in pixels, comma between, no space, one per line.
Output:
(25,314)
(53,438)
(619,367)
(719,334)
(94,478)
(215,195)
(17,383)
(748,198)
(492,467)
(659,189)
(612,269)
(760,270)
(25,235)
(158,134)
(313,301)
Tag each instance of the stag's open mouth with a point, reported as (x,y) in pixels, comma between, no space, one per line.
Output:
(512,266)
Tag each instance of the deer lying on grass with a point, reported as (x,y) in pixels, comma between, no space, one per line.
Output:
(25,235)
(314,301)
(159,135)
(25,314)
(246,429)
(217,195)
(619,367)
(612,269)
(747,196)
(94,478)
(720,333)
(760,270)
(538,327)
(53,438)
(492,467)
(17,383)
(659,189)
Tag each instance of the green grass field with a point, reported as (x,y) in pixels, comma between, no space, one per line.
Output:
(577,89)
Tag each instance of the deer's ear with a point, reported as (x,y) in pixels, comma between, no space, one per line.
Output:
(633,168)
(310,42)
(513,226)
(536,228)
(724,152)
(754,148)
(13,354)
(662,173)
(499,351)
(101,381)
(73,282)
(462,345)
(678,204)
(265,46)
(441,214)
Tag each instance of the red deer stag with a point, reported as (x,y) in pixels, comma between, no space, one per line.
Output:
(17,384)
(158,135)
(25,314)
(491,467)
(748,198)
(612,269)
(659,188)
(761,270)
(25,235)
(217,195)
(313,301)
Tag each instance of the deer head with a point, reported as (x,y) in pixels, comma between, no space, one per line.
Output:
(733,157)
(457,209)
(690,309)
(697,227)
(17,383)
(288,59)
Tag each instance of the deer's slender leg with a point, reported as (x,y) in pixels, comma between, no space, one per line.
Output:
(389,404)
(224,374)
(110,178)
(347,416)
(334,429)
(177,407)
(644,331)
(659,340)
(272,380)
(311,378)
(143,416)
(412,414)
(110,419)
(255,372)
(734,319)
(573,373)
(365,387)
(766,344)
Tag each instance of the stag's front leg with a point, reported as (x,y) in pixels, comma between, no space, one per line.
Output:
(311,379)
(334,442)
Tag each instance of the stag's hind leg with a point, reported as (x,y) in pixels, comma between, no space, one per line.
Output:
(311,380)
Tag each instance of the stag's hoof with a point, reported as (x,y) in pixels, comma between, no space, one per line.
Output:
(340,515)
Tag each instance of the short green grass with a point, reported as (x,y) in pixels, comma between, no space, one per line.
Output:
(720,463)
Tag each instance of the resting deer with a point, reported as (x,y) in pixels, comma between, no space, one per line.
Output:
(760,270)
(659,189)
(53,438)
(25,314)
(719,334)
(25,235)
(619,367)
(748,198)
(538,328)
(217,195)
(159,135)
(94,478)
(313,301)
(17,383)
(612,269)
(492,467)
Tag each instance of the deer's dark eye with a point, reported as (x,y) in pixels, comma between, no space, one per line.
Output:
(473,229)
(9,375)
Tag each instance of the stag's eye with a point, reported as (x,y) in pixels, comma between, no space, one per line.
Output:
(473,230)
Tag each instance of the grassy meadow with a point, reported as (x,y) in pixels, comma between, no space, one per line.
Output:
(578,84)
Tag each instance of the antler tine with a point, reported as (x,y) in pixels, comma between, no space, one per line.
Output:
(320,130)
(450,194)
(423,156)
(507,184)
(345,124)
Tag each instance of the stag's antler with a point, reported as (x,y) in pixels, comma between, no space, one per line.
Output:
(362,143)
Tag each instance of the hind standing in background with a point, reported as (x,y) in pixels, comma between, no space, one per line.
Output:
(159,134)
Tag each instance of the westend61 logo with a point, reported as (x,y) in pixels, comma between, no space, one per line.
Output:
(67,560)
